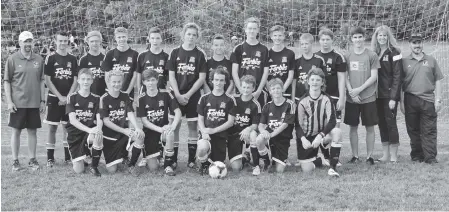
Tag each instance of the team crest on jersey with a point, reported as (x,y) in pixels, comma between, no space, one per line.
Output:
(329,61)
(248,111)
(122,104)
(91,105)
(161,62)
(36,64)
(283,115)
(130,60)
(244,53)
(385,58)
(222,105)
(113,59)
(161,103)
(284,59)
(258,54)
(425,63)
(69,65)
(192,60)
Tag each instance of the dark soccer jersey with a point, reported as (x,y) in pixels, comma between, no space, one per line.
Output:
(116,109)
(303,67)
(246,114)
(274,116)
(125,62)
(213,64)
(85,109)
(62,70)
(156,108)
(335,62)
(187,66)
(318,115)
(215,110)
(251,59)
(280,63)
(158,62)
(94,64)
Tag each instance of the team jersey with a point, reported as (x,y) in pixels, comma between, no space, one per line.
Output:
(274,116)
(125,62)
(215,110)
(156,108)
(213,64)
(246,114)
(252,59)
(280,63)
(335,62)
(94,64)
(116,109)
(315,116)
(85,109)
(187,66)
(62,71)
(158,62)
(303,67)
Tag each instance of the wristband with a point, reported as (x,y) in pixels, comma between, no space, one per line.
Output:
(322,134)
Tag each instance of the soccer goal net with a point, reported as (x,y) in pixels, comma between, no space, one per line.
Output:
(44,17)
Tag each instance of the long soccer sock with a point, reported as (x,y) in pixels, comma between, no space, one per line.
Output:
(264,155)
(318,162)
(334,156)
(134,156)
(175,155)
(325,151)
(192,152)
(50,151)
(254,155)
(96,154)
(66,151)
(169,155)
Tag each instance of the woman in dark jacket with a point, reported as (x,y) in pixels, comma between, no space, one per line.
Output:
(384,44)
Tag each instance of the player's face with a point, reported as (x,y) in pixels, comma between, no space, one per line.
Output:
(151,83)
(115,82)
(278,37)
(155,39)
(122,39)
(382,38)
(251,30)
(326,41)
(219,81)
(306,46)
(357,40)
(85,81)
(218,46)
(26,45)
(416,47)
(191,36)
(94,43)
(276,90)
(62,42)
(315,82)
(247,88)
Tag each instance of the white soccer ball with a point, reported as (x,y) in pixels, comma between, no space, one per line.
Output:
(217,170)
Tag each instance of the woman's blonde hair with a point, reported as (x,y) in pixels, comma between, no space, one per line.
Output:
(391,41)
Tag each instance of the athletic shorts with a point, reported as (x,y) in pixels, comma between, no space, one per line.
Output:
(114,149)
(189,110)
(235,147)
(334,101)
(279,150)
(152,143)
(55,113)
(29,118)
(367,112)
(78,148)
(217,148)
(306,155)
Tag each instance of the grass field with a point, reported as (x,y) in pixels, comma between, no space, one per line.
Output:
(403,186)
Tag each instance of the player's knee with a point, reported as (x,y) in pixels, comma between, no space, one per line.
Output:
(336,135)
(203,148)
(112,169)
(152,164)
(78,167)
(16,132)
(280,168)
(307,167)
(260,141)
(369,129)
(32,131)
(236,165)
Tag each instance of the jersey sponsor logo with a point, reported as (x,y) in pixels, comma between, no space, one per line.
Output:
(192,60)
(186,69)
(122,104)
(248,111)
(216,115)
(124,68)
(69,65)
(385,58)
(161,103)
(117,114)
(329,61)
(91,105)
(248,63)
(161,62)
(129,60)
(278,70)
(274,124)
(242,120)
(97,72)
(62,73)
(222,105)
(284,59)
(155,115)
(84,115)
(258,54)
(36,64)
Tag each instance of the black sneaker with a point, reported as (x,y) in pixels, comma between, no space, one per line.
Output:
(94,171)
(50,163)
(16,165)
(354,160)
(370,160)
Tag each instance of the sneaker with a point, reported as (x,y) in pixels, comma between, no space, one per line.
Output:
(88,160)
(33,164)
(333,173)
(161,162)
(125,161)
(256,170)
(16,165)
(169,171)
(134,171)
(339,164)
(94,171)
(298,163)
(354,160)
(50,163)
(67,162)
(142,163)
(370,160)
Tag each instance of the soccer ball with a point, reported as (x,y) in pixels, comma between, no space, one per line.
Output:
(217,170)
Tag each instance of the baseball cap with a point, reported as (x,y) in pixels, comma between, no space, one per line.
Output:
(25,35)
(91,34)
(234,38)
(416,37)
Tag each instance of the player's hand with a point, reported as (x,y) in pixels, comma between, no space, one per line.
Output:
(245,134)
(437,106)
(401,106)
(317,141)
(62,100)
(205,136)
(140,134)
(391,104)
(341,104)
(207,131)
(12,107)
(355,92)
(266,134)
(305,143)
(95,130)
(256,94)
(357,100)
(42,108)
(181,99)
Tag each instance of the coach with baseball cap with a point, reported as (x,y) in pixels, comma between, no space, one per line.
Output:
(421,100)
(24,91)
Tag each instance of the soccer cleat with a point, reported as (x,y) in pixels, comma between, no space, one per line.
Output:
(204,169)
(134,171)
(256,171)
(370,160)
(50,163)
(16,165)
(339,164)
(287,163)
(125,161)
(324,161)
(192,165)
(142,163)
(354,160)
(333,173)
(169,171)
(161,162)
(88,160)
(67,162)
(94,171)
(33,164)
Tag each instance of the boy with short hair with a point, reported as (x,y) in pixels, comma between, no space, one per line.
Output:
(218,59)
(93,60)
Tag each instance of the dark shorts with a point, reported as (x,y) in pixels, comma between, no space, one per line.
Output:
(217,148)
(55,113)
(235,147)
(152,143)
(334,101)
(78,148)
(279,150)
(189,110)
(113,150)
(29,118)
(306,155)
(367,112)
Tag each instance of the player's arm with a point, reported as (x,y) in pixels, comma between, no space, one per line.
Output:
(201,125)
(330,111)
(48,69)
(146,123)
(289,80)
(134,80)
(264,79)
(438,89)
(99,121)
(235,76)
(236,59)
(202,76)
(42,87)
(177,118)
(74,86)
(173,82)
(228,124)
(371,80)
(206,87)
(288,120)
(231,87)
(8,74)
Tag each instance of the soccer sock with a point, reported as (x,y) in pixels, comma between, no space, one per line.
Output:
(134,156)
(264,155)
(205,164)
(50,154)
(66,150)
(335,155)
(175,155)
(192,152)
(255,155)
(125,153)
(169,155)
(318,162)
(96,154)
(325,150)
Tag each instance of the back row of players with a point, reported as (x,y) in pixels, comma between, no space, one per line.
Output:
(224,121)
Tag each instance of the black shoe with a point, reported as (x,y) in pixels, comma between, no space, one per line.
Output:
(94,171)
(370,160)
(246,159)
(417,159)
(354,160)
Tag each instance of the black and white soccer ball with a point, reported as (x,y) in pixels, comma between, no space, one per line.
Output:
(217,170)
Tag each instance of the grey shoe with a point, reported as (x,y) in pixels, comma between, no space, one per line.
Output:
(16,165)
(33,164)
